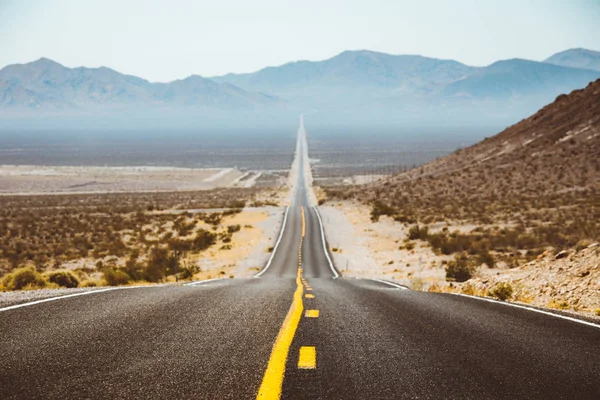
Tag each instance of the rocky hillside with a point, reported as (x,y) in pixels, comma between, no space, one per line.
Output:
(547,161)
(518,212)
(533,186)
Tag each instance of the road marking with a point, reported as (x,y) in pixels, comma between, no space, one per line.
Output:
(272,382)
(391,284)
(580,321)
(311,314)
(68,296)
(303,222)
(335,273)
(307,359)
(287,209)
(309,296)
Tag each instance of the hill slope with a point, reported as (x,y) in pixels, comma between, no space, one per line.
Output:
(521,207)
(545,162)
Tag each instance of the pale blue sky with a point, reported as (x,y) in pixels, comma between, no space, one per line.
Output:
(166,40)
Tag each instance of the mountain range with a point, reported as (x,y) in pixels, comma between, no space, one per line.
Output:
(45,85)
(354,84)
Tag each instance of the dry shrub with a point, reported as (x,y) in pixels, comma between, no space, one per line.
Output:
(502,291)
(460,269)
(116,277)
(24,278)
(63,278)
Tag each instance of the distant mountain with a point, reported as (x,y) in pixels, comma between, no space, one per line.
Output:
(374,86)
(352,78)
(353,88)
(577,58)
(516,78)
(45,85)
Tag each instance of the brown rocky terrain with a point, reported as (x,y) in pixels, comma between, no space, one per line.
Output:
(513,200)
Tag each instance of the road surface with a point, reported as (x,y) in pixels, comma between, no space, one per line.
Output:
(297,331)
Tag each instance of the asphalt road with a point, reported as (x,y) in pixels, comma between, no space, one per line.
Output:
(313,336)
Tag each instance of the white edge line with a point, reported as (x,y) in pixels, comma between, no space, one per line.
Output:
(580,321)
(196,283)
(287,209)
(335,273)
(391,284)
(32,303)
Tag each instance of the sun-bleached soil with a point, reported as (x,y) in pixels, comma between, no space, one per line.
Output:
(363,249)
(63,179)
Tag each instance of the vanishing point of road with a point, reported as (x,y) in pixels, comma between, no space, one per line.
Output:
(297,330)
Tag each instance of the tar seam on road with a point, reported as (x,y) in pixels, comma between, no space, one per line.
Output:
(68,296)
(287,209)
(391,284)
(580,321)
(272,382)
(335,273)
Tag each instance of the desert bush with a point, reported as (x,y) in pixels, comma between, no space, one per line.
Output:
(233,228)
(460,269)
(24,278)
(89,283)
(188,271)
(63,278)
(116,277)
(502,291)
(378,208)
(487,259)
(418,233)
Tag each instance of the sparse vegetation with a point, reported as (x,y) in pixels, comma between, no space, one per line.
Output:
(62,278)
(460,269)
(116,277)
(502,291)
(24,278)
(51,231)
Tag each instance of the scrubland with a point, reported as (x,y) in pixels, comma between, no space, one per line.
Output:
(502,214)
(89,240)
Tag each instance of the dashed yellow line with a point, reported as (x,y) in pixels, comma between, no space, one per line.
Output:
(311,314)
(303,222)
(307,359)
(309,296)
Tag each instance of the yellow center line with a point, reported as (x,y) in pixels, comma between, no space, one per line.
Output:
(309,296)
(311,314)
(272,382)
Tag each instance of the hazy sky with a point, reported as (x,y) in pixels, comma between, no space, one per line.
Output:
(166,40)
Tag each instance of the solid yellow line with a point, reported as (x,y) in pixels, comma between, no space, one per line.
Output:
(311,314)
(270,387)
(307,359)
(309,296)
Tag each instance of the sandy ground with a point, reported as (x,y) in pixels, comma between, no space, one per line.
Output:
(65,179)
(363,249)
(249,247)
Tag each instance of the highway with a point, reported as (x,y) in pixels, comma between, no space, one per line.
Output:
(298,330)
